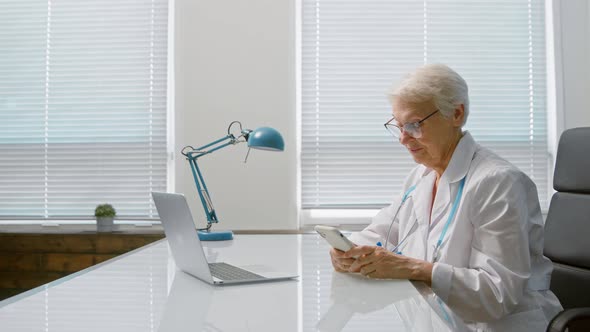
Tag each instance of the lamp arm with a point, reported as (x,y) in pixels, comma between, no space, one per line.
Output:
(192,155)
(203,194)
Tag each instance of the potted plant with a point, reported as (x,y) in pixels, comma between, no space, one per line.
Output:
(104,213)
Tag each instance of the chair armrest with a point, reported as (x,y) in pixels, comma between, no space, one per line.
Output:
(560,322)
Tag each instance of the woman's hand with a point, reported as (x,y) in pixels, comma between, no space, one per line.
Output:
(380,263)
(339,262)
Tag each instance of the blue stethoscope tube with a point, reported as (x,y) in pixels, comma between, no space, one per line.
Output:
(415,224)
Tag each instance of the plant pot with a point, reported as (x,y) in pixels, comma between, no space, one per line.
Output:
(104,224)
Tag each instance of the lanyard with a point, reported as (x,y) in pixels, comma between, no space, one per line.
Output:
(407,194)
(451,216)
(414,226)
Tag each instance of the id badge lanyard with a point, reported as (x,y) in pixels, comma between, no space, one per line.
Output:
(415,224)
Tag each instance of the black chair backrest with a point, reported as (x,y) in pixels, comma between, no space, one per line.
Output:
(567,228)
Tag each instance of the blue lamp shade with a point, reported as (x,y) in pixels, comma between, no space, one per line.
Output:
(266,138)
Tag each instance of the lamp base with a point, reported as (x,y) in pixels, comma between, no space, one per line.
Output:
(216,236)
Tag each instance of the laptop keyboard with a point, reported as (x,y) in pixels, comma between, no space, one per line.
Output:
(228,272)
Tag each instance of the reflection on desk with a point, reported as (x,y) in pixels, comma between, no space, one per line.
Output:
(124,294)
(143,291)
(355,300)
(196,306)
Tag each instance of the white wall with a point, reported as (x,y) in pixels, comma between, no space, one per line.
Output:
(573,29)
(235,60)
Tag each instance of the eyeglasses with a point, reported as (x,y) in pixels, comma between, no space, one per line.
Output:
(412,129)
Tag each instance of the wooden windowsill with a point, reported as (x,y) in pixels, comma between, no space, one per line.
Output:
(79,229)
(141,229)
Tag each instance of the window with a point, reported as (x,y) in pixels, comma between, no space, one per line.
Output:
(82,107)
(354,50)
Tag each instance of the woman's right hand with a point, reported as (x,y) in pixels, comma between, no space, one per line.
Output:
(339,262)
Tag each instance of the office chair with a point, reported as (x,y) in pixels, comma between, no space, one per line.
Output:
(567,231)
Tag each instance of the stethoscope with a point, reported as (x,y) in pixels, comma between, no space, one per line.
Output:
(415,224)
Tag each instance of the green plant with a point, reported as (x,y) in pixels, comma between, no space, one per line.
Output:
(105,210)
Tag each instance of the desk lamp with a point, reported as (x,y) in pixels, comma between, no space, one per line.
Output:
(263,138)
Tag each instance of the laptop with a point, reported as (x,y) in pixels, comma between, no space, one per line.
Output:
(188,252)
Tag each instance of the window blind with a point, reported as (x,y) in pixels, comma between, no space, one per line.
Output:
(354,50)
(82,106)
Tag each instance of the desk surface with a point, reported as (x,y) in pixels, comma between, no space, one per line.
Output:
(143,291)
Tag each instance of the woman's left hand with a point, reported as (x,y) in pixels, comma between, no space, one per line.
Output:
(380,263)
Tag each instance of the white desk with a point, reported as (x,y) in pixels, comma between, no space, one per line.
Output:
(143,291)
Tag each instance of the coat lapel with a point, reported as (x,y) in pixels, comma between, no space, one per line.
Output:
(449,182)
(422,198)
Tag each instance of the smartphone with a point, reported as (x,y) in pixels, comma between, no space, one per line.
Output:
(334,237)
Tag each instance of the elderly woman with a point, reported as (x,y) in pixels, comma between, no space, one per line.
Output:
(468,222)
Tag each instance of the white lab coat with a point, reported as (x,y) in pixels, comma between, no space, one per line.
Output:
(491,270)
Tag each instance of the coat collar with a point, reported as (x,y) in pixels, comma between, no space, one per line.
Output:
(456,170)
(461,159)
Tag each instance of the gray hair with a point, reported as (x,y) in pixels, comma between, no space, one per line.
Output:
(436,82)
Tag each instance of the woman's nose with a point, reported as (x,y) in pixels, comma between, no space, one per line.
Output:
(404,137)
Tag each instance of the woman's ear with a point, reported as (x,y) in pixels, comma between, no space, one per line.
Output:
(459,115)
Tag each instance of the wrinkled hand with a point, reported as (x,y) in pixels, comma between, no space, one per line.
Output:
(340,262)
(380,263)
